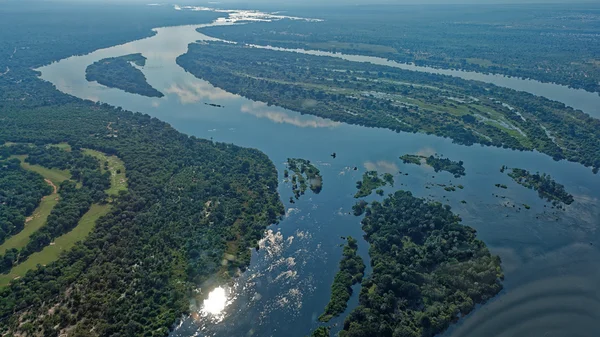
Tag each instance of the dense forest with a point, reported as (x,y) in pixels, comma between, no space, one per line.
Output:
(428,270)
(189,201)
(351,272)
(20,193)
(549,43)
(543,183)
(119,72)
(469,112)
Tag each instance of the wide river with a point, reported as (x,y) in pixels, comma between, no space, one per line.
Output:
(550,257)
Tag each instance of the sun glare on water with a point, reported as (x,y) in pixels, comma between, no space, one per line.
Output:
(216,302)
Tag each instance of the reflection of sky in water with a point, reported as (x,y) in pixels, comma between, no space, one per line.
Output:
(197,91)
(262,110)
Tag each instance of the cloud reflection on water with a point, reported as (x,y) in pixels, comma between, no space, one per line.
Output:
(261,110)
(192,93)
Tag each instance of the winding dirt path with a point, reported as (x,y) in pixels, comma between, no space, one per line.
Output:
(52,184)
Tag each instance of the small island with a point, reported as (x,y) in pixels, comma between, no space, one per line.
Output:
(351,272)
(321,332)
(438,163)
(428,270)
(372,181)
(546,187)
(119,72)
(304,175)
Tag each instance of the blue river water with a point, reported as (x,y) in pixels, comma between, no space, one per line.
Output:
(549,256)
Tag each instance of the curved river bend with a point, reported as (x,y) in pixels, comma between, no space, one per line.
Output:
(550,258)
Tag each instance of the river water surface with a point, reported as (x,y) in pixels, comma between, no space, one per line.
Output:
(550,257)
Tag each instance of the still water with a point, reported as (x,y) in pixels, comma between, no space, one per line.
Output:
(549,257)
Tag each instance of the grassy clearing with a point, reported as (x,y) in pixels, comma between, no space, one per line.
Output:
(56,176)
(61,244)
(38,220)
(116,167)
(62,146)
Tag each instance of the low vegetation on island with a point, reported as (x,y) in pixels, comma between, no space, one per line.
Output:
(372,181)
(351,272)
(468,112)
(546,187)
(304,175)
(438,163)
(428,270)
(119,72)
(321,332)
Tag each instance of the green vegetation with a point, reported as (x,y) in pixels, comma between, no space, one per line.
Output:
(469,112)
(546,187)
(372,181)
(428,270)
(557,43)
(501,186)
(304,172)
(412,159)
(321,332)
(118,72)
(438,163)
(75,198)
(445,164)
(526,206)
(116,168)
(21,194)
(62,244)
(359,208)
(134,273)
(351,272)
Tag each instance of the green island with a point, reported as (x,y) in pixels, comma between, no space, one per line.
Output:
(351,272)
(189,211)
(543,183)
(468,112)
(438,163)
(321,332)
(531,32)
(371,181)
(428,270)
(359,208)
(304,172)
(118,72)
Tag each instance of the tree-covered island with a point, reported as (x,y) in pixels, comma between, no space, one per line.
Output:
(468,112)
(428,270)
(119,72)
(438,163)
(305,175)
(371,181)
(351,272)
(546,187)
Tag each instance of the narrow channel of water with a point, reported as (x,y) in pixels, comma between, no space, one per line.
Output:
(550,257)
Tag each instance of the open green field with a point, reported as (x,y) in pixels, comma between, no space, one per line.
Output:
(61,244)
(56,176)
(116,167)
(38,220)
(62,146)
